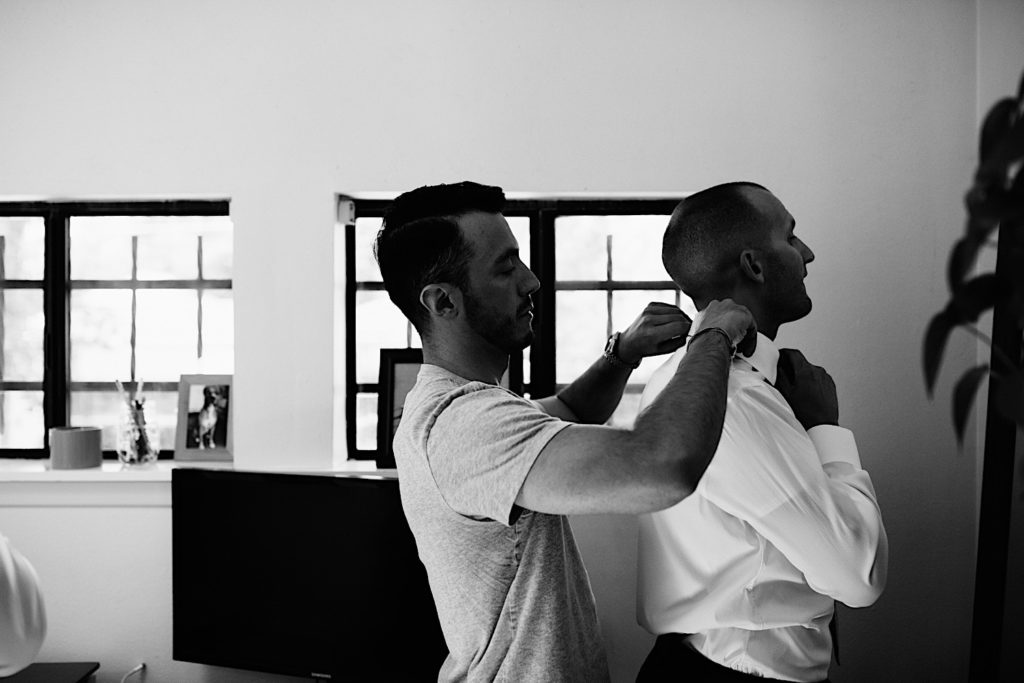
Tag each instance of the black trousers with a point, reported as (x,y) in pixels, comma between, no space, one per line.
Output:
(672,660)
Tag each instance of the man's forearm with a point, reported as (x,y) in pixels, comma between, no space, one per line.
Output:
(595,394)
(688,415)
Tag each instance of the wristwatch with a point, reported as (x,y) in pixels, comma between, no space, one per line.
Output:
(611,353)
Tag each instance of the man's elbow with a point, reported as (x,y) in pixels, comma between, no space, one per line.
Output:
(669,483)
(861,590)
(862,596)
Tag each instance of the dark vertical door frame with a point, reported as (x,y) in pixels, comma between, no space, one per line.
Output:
(997,483)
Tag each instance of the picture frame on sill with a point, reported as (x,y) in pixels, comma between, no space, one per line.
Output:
(397,375)
(204,430)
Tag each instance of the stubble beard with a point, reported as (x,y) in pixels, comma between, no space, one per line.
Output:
(500,332)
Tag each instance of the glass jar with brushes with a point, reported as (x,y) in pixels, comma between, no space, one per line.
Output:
(136,443)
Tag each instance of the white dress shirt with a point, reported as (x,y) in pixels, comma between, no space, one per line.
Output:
(783,522)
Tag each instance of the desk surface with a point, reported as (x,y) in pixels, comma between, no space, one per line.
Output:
(54,672)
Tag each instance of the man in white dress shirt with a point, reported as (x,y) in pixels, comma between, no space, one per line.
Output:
(739,579)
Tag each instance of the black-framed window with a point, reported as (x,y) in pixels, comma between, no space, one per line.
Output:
(599,264)
(93,292)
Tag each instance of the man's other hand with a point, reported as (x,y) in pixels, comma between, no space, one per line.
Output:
(808,389)
(661,328)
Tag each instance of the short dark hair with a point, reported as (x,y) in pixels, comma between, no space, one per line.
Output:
(420,241)
(705,235)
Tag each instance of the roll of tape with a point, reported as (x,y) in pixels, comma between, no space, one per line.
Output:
(74,448)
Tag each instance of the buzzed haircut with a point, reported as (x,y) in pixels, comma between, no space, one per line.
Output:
(705,236)
(420,242)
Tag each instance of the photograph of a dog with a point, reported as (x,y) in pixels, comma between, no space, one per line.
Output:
(208,416)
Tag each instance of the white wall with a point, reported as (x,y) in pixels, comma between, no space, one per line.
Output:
(861,116)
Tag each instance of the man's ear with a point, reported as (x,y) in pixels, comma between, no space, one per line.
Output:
(751,265)
(441,300)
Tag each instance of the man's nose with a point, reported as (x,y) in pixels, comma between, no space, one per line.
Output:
(531,284)
(808,254)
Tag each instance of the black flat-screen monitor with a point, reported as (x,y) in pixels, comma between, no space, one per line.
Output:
(297,574)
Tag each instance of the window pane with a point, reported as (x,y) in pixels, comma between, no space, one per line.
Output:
(636,247)
(580,252)
(101,247)
(168,255)
(218,248)
(218,333)
(166,334)
(520,226)
(626,306)
(582,247)
(580,332)
(22,240)
(366,422)
(366,265)
(22,334)
(380,325)
(103,409)
(101,330)
(21,419)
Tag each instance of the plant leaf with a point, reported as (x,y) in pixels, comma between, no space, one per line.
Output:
(1003,153)
(962,258)
(934,345)
(989,202)
(998,122)
(974,297)
(981,227)
(963,396)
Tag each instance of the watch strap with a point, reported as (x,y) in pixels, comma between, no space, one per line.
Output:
(611,353)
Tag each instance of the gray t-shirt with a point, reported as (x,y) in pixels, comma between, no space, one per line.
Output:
(512,595)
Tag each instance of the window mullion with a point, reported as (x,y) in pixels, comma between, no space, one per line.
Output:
(542,259)
(608,276)
(56,336)
(135,294)
(199,302)
(350,343)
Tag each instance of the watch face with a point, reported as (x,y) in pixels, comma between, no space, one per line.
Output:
(609,348)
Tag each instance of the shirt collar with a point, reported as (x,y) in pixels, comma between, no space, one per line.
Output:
(764,360)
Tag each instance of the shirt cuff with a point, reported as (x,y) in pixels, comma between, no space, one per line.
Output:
(834,444)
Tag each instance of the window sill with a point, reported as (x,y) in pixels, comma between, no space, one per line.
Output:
(31,483)
(39,471)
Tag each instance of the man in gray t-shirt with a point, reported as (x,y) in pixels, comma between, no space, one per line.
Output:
(487,477)
(511,591)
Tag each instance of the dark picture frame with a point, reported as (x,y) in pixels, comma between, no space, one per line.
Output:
(204,418)
(398,371)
